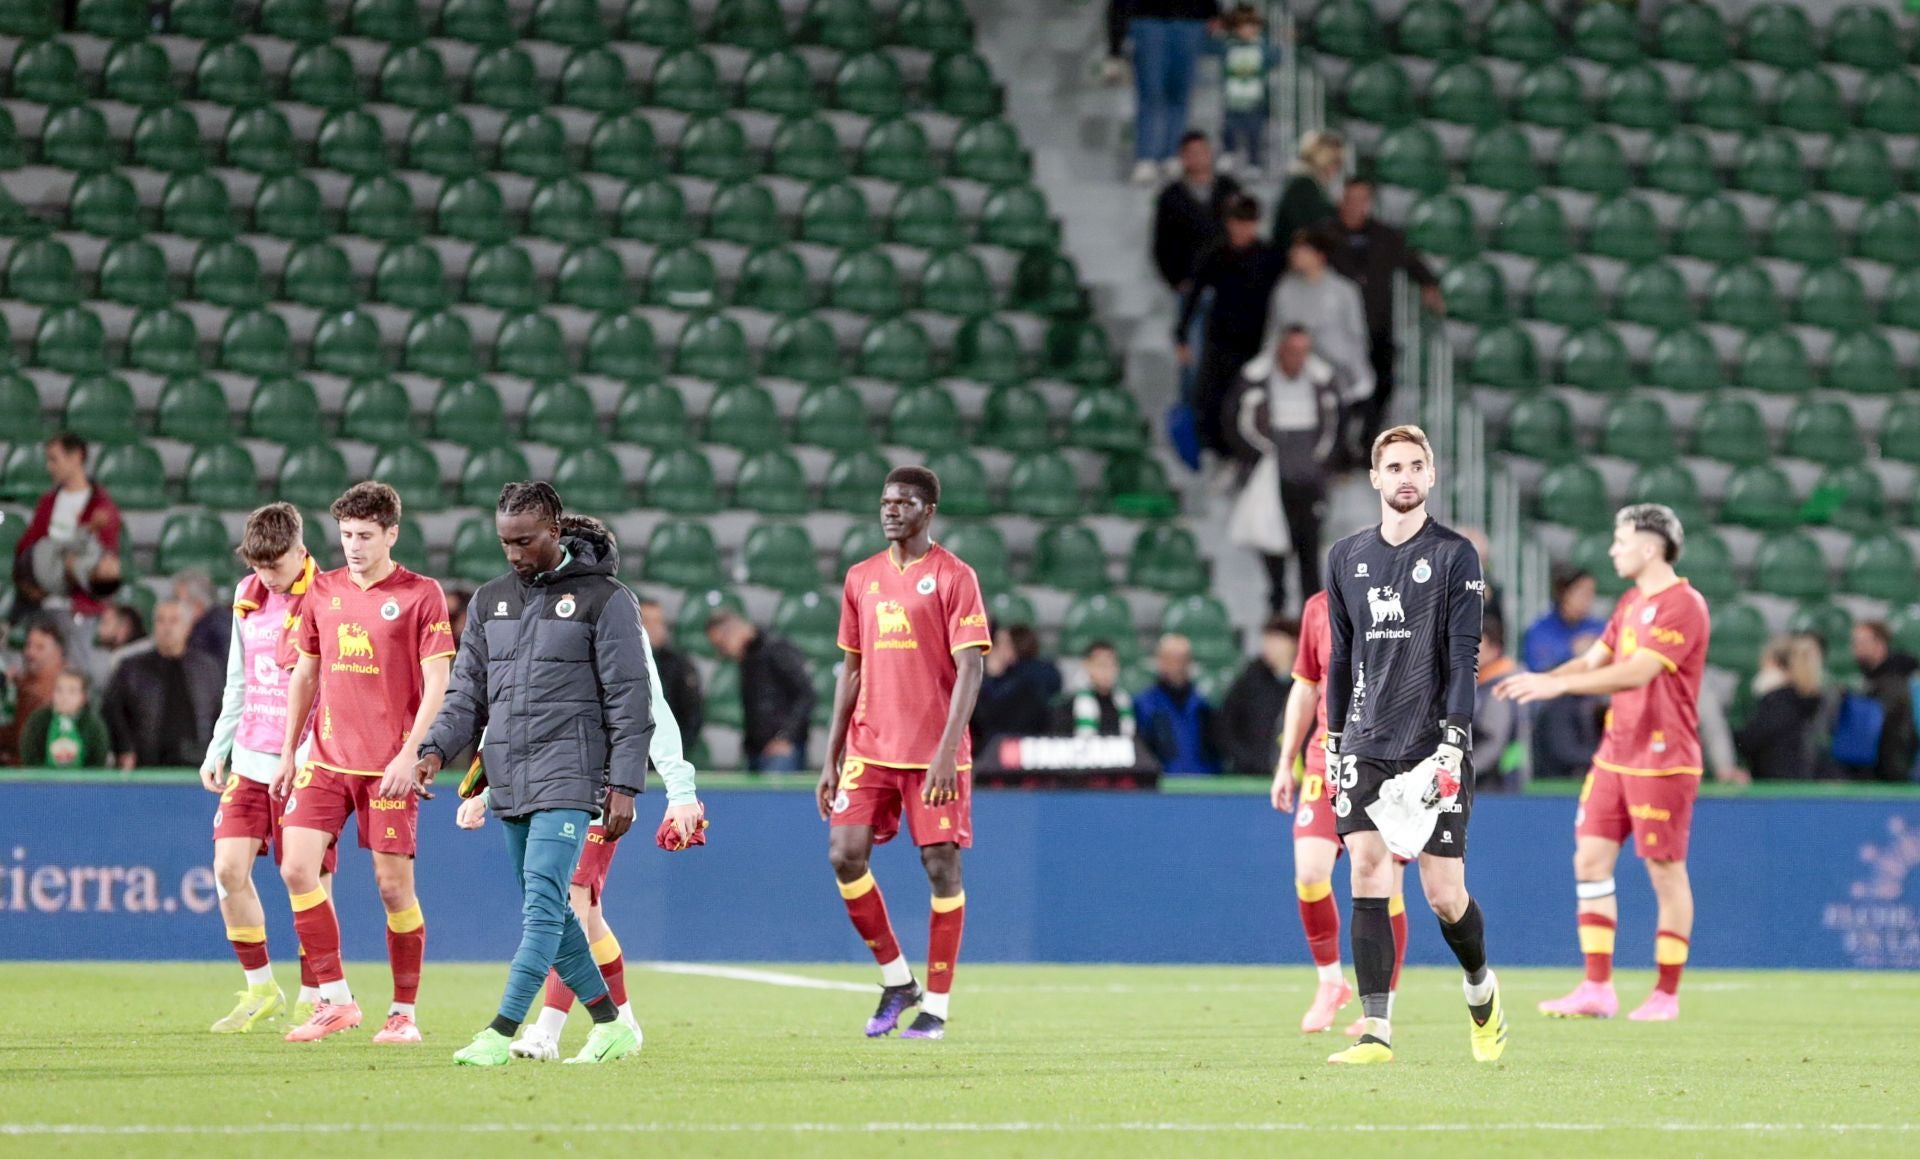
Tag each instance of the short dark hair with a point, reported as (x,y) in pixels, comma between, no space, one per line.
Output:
(1493,631)
(1360,179)
(271,532)
(135,618)
(1314,239)
(372,500)
(1563,579)
(723,615)
(1192,135)
(1656,519)
(50,628)
(1242,207)
(1281,626)
(1100,646)
(536,498)
(1878,630)
(71,443)
(80,674)
(919,478)
(1026,642)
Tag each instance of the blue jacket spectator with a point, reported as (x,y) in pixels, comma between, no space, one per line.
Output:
(1569,629)
(1174,718)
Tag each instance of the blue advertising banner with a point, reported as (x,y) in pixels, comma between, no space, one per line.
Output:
(121,872)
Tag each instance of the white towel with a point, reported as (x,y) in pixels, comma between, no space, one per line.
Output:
(1402,813)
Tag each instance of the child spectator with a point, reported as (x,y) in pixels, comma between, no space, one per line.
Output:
(1246,58)
(68,732)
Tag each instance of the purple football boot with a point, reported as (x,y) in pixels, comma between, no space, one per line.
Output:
(926,1026)
(894,1001)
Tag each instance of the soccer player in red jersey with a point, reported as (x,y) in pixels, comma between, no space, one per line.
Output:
(914,629)
(375,657)
(1647,772)
(1316,846)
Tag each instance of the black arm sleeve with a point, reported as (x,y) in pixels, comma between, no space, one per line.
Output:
(1466,602)
(1340,655)
(1203,275)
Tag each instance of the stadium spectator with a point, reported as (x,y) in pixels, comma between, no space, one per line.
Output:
(1781,739)
(42,659)
(1888,678)
(1313,296)
(67,733)
(1113,69)
(122,632)
(1499,740)
(776,692)
(1569,628)
(160,706)
(1248,723)
(1289,408)
(457,600)
(1247,57)
(1496,599)
(212,621)
(1368,253)
(1190,212)
(1307,198)
(1238,272)
(1167,38)
(68,560)
(679,679)
(1018,689)
(1174,717)
(1102,708)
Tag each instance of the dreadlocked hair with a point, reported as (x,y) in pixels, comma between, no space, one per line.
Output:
(536,498)
(919,478)
(572,523)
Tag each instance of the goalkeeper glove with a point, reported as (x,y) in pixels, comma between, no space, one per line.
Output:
(1332,744)
(1447,761)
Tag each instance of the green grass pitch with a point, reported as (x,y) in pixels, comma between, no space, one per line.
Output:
(1042,1060)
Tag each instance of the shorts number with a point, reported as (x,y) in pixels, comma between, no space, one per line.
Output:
(850,775)
(1346,776)
(1586,788)
(304,778)
(226,794)
(1312,788)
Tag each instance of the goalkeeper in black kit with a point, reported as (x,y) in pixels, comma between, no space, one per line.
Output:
(1404,601)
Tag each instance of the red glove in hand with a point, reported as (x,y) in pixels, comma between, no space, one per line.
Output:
(668,837)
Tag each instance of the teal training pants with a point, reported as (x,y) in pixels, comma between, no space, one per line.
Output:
(545,848)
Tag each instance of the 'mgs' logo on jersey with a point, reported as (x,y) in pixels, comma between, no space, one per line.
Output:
(355,645)
(892,619)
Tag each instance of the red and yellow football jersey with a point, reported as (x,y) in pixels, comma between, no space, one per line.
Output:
(906,624)
(371,644)
(1654,731)
(1310,667)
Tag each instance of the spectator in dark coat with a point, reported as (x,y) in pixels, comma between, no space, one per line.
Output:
(679,679)
(1780,740)
(161,705)
(1289,407)
(1249,720)
(1369,253)
(1174,717)
(1889,677)
(1018,690)
(1189,212)
(212,620)
(1240,271)
(1306,200)
(776,692)
(1497,724)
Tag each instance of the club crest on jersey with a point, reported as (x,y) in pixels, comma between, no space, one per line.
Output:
(390,610)
(1422,571)
(565,608)
(925,586)
(1646,617)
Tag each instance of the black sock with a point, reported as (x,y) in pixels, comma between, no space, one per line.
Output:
(1468,940)
(603,1009)
(1372,953)
(505,1026)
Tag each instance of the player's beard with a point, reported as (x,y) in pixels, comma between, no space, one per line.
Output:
(1403,505)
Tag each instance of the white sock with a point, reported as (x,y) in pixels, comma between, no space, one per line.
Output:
(1391,995)
(309,994)
(1479,995)
(336,993)
(551,1022)
(935,1004)
(405,1008)
(1380,1028)
(1330,972)
(261,977)
(626,1012)
(896,972)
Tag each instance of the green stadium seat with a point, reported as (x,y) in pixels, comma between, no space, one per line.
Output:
(1475,292)
(832,415)
(313,476)
(865,282)
(1714,229)
(1042,485)
(988,151)
(1673,484)
(20,402)
(487,470)
(934,25)
(24,477)
(1549,94)
(1411,156)
(1607,33)
(715,147)
(1760,496)
(138,72)
(1442,225)
(563,211)
(1849,496)
(100,408)
(415,77)
(1564,292)
(535,144)
(1108,420)
(113,19)
(319,274)
(1779,35)
(286,411)
(168,139)
(413,471)
(595,79)
(1574,495)
(483,22)
(986,350)
(812,621)
(1890,103)
(743,415)
(1906,630)
(71,339)
(439,343)
(1540,427)
(927,216)
(1017,217)
(1348,28)
(962,85)
(1099,618)
(806,148)
(227,273)
(1625,228)
(1592,359)
(350,140)
(1832,297)
(1203,620)
(322,74)
(572,22)
(1433,29)
(690,633)
(395,21)
(1770,163)
(1739,635)
(1534,224)
(47,72)
(441,143)
(201,19)
(561,413)
(1864,37)
(664,23)
(1517,30)
(223,476)
(1859,165)
(688,81)
(1655,294)
(754,24)
(1731,429)
(622,346)
(897,349)
(654,211)
(194,541)
(1743,295)
(1823,430)
(134,272)
(772,483)
(1776,362)
(1680,162)
(1016,419)
(75,137)
(593,277)
(1882,567)
(348,341)
(1834,627)
(1069,557)
(1789,564)
(505,78)
(1463,93)
(1500,157)
(1725,99)
(476,551)
(713,346)
(681,553)
(778,82)
(380,207)
(1864,362)
(1165,558)
(981,547)
(473,209)
(1592,161)
(1504,357)
(835,214)
(1638,429)
(1636,96)
(163,340)
(956,283)
(780,556)
(105,205)
(300,20)
(803,349)
(870,84)
(42,271)
(256,341)
(745,212)
(195,204)
(1804,231)
(193,408)
(847,25)
(1809,101)
(531,345)
(501,275)
(923,417)
(964,487)
(1901,301)
(135,475)
(410,274)
(1592,554)
(1692,34)
(469,412)
(896,150)
(288,206)
(231,74)
(854,481)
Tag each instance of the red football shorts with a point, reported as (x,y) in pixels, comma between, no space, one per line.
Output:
(876,795)
(596,857)
(1658,811)
(1312,806)
(323,799)
(246,810)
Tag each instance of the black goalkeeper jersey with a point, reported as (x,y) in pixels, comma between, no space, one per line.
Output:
(1406,640)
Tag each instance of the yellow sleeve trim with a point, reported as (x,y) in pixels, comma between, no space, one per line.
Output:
(1303,680)
(1668,664)
(983,645)
(844,648)
(304,652)
(437,656)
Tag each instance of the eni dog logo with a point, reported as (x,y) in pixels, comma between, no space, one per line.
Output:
(354,641)
(893,621)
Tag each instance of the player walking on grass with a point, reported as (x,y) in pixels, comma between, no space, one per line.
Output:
(1404,604)
(914,629)
(1647,771)
(541,1041)
(552,666)
(245,754)
(1316,844)
(374,647)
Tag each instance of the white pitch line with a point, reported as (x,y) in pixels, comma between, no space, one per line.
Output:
(804,982)
(18,1130)
(765,977)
